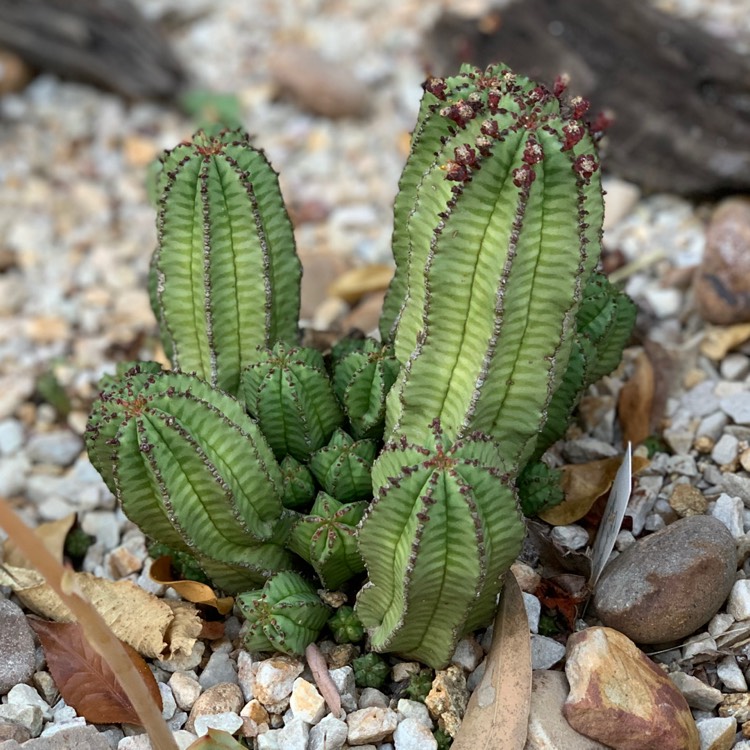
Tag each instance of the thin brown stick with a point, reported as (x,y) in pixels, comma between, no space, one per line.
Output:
(326,685)
(95,629)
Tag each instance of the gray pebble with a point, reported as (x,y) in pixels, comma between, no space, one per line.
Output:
(220,668)
(731,675)
(734,366)
(328,734)
(533,611)
(343,678)
(25,695)
(414,710)
(27,716)
(168,704)
(13,475)
(410,734)
(739,600)
(571,537)
(696,692)
(370,697)
(737,407)
(701,400)
(11,436)
(729,510)
(725,451)
(228,721)
(17,651)
(712,426)
(59,448)
(737,486)
(545,652)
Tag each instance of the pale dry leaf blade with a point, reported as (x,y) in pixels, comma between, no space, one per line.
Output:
(497,716)
(51,534)
(84,679)
(611,521)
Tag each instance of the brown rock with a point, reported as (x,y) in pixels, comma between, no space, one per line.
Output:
(668,584)
(14,72)
(619,697)
(736,705)
(319,270)
(548,728)
(321,86)
(224,697)
(687,500)
(722,284)
(447,699)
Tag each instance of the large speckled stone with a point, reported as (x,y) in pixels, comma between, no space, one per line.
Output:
(16,647)
(668,584)
(619,697)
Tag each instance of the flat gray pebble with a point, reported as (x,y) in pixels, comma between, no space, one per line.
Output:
(60,448)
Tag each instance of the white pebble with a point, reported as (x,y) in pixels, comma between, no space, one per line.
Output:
(328,734)
(730,674)
(370,697)
(533,611)
(729,510)
(738,604)
(228,721)
(410,734)
(414,710)
(25,695)
(725,451)
(571,537)
(737,407)
(716,733)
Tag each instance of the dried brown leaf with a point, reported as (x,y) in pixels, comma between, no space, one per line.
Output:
(497,716)
(191,591)
(635,404)
(583,484)
(354,284)
(84,679)
(51,534)
(135,616)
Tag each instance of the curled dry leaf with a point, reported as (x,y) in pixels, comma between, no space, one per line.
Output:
(718,341)
(355,284)
(153,627)
(498,712)
(84,679)
(583,484)
(192,591)
(51,534)
(635,404)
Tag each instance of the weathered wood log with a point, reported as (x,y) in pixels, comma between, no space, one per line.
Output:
(680,97)
(104,42)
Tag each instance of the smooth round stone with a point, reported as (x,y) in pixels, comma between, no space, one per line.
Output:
(669,584)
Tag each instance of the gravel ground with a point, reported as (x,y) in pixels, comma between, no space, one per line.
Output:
(78,231)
